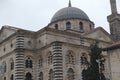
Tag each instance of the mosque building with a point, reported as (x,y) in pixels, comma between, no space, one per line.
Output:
(59,50)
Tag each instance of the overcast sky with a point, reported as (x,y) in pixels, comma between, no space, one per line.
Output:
(36,14)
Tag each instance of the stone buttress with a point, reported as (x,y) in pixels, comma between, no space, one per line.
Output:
(19,64)
(57,60)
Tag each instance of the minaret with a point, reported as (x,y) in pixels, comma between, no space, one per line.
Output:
(114,21)
(113,6)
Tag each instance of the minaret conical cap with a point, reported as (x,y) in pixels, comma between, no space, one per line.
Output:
(69,5)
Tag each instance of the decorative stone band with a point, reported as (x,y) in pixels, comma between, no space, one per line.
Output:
(19,64)
(57,60)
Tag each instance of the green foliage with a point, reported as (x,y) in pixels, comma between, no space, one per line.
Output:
(92,72)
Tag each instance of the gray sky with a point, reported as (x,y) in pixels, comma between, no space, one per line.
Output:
(36,14)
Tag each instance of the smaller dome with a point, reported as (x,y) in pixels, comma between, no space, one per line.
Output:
(69,13)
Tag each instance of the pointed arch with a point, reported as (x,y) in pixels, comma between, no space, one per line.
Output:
(40,61)
(28,62)
(70,59)
(51,74)
(12,77)
(11,64)
(5,78)
(81,27)
(70,74)
(49,57)
(4,67)
(84,60)
(28,76)
(41,76)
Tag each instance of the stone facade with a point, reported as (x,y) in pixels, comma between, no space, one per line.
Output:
(114,60)
(54,52)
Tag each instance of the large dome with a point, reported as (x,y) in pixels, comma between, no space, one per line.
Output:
(69,13)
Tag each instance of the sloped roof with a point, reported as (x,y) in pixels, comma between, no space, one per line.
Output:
(99,33)
(113,46)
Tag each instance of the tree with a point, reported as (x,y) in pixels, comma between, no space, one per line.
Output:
(93,72)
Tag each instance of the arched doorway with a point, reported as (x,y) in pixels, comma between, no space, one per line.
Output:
(28,76)
(70,74)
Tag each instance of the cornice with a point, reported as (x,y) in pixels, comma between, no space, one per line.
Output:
(112,47)
(64,43)
(7,54)
(69,19)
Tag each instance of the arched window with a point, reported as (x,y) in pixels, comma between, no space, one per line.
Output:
(40,62)
(11,45)
(28,63)
(84,60)
(12,77)
(81,27)
(4,66)
(29,43)
(28,76)
(12,65)
(49,58)
(56,26)
(41,76)
(4,78)
(70,74)
(90,27)
(70,58)
(68,26)
(51,74)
